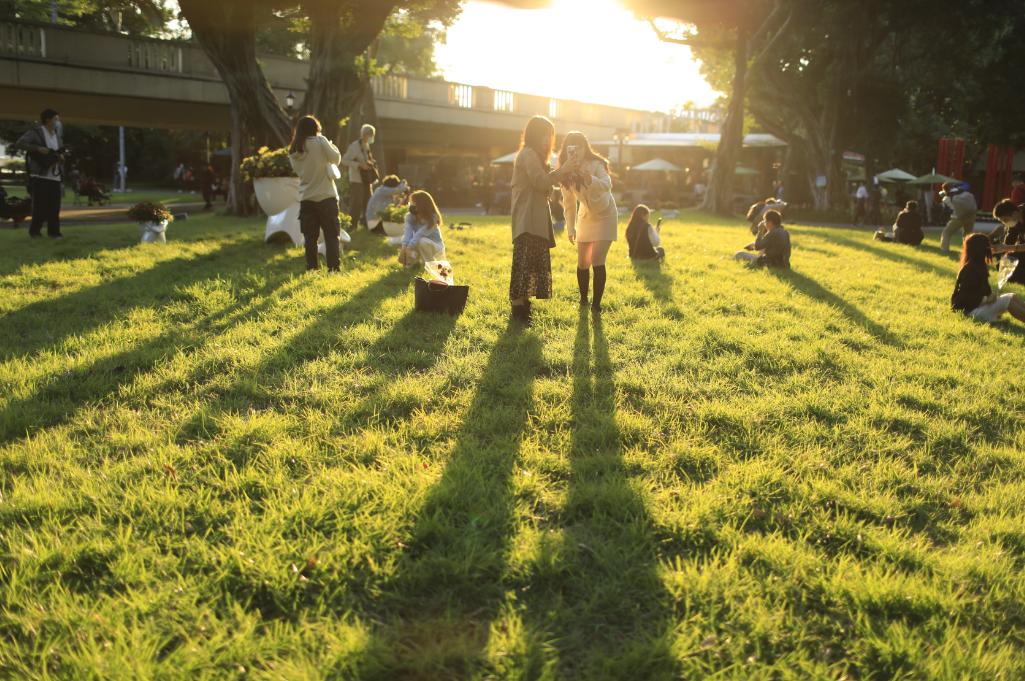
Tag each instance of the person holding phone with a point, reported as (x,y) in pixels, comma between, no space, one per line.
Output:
(644,241)
(533,235)
(45,156)
(312,155)
(592,218)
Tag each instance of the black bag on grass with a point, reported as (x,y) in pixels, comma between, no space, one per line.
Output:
(436,296)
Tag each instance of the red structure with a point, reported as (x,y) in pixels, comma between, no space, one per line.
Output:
(999,170)
(950,160)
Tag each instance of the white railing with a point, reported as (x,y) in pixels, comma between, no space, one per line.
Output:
(22,40)
(153,56)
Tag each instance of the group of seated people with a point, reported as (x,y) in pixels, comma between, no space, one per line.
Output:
(973,295)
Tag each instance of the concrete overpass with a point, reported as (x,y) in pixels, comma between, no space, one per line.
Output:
(111,79)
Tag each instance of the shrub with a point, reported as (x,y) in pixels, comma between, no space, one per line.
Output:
(148,211)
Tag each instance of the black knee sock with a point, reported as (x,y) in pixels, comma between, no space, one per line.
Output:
(583,279)
(599,285)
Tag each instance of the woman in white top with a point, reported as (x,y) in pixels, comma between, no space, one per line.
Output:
(592,218)
(312,155)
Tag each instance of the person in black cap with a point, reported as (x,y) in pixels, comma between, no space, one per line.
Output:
(45,154)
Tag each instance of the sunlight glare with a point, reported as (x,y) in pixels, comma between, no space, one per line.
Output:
(589,50)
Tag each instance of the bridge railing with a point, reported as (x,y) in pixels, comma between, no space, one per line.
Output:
(22,40)
(110,51)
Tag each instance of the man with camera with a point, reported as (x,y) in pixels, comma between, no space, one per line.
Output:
(963,208)
(44,156)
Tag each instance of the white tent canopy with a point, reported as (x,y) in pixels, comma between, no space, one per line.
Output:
(895,175)
(657,165)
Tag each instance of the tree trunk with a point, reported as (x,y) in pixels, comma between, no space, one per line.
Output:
(336,82)
(719,195)
(227,33)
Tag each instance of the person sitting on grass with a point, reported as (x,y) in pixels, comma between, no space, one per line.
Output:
(907,229)
(422,238)
(757,211)
(644,241)
(1012,216)
(972,293)
(390,188)
(772,244)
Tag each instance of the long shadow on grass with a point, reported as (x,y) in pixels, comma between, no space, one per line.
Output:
(49,322)
(60,396)
(654,277)
(449,583)
(813,289)
(257,386)
(898,253)
(608,614)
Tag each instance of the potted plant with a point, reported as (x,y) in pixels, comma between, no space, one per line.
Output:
(394,218)
(277,191)
(153,219)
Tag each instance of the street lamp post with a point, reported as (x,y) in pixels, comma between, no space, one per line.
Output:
(290,105)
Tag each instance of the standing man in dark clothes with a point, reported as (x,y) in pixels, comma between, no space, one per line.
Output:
(44,156)
(772,245)
(210,182)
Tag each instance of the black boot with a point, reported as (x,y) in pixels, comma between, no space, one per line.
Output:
(583,280)
(521,313)
(599,287)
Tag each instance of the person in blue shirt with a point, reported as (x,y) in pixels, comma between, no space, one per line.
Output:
(421,241)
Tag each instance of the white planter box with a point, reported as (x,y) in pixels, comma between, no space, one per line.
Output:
(279,199)
(393,228)
(153,232)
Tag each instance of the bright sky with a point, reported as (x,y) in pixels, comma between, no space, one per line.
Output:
(619,61)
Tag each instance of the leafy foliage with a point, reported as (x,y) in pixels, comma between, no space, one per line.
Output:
(135,17)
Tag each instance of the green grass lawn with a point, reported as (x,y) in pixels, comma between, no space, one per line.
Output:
(129,198)
(215,466)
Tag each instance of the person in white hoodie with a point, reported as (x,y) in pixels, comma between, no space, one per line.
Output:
(592,218)
(315,160)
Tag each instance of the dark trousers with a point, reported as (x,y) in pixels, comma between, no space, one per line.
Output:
(359,196)
(314,217)
(46,206)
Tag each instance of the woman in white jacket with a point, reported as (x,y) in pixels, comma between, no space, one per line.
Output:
(311,155)
(592,219)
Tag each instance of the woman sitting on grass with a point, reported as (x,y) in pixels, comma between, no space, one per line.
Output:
(772,244)
(644,241)
(908,227)
(1012,216)
(422,239)
(972,293)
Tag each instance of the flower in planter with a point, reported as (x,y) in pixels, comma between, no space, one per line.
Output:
(266,163)
(394,213)
(148,211)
